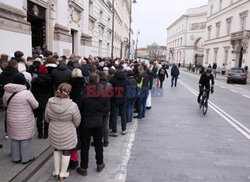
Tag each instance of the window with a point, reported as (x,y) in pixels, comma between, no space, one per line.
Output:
(226,56)
(100,48)
(209,29)
(220,5)
(229,24)
(215,54)
(211,10)
(91,7)
(218,30)
(100,16)
(243,23)
(207,58)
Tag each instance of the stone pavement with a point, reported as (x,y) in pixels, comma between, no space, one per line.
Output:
(9,170)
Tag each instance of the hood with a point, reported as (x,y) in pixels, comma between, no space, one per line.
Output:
(12,88)
(21,67)
(62,66)
(51,65)
(8,71)
(120,76)
(58,105)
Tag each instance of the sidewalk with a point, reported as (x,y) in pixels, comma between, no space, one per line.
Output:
(10,171)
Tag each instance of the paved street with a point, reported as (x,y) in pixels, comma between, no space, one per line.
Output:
(177,143)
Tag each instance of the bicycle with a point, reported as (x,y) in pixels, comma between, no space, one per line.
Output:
(204,101)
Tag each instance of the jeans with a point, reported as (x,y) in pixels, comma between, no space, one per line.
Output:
(161,83)
(174,80)
(129,110)
(142,105)
(106,127)
(154,83)
(85,135)
(114,114)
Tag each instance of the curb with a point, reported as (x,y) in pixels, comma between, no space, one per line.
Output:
(33,167)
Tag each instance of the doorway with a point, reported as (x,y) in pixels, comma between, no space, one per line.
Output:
(36,17)
(241,57)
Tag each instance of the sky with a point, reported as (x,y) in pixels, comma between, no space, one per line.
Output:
(152,17)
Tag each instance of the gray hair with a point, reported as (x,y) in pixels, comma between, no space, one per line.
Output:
(94,78)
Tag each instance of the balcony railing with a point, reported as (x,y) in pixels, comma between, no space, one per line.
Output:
(240,35)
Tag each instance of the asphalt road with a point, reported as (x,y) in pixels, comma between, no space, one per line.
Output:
(176,143)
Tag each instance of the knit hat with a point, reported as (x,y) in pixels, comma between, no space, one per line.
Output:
(19,79)
(43,70)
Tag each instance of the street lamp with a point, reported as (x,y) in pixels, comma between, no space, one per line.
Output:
(130,22)
(138,33)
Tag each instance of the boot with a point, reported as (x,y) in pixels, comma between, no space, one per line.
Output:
(64,167)
(57,162)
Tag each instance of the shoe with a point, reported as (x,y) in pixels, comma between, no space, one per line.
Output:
(100,168)
(148,108)
(24,163)
(124,132)
(129,123)
(40,135)
(73,165)
(57,162)
(138,117)
(6,136)
(45,136)
(81,171)
(1,146)
(143,116)
(64,166)
(113,134)
(135,111)
(171,85)
(105,144)
(17,162)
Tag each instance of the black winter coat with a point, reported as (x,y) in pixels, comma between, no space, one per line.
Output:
(162,77)
(61,75)
(175,71)
(154,72)
(92,109)
(132,88)
(120,83)
(42,89)
(106,85)
(78,85)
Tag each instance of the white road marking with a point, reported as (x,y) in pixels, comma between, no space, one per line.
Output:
(232,121)
(234,91)
(247,96)
(123,167)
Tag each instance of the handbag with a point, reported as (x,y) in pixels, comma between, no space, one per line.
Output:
(157,82)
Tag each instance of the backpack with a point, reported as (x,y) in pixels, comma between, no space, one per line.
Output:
(162,72)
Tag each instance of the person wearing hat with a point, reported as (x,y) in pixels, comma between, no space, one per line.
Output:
(20,104)
(42,88)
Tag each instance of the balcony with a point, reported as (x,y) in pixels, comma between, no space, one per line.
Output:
(240,35)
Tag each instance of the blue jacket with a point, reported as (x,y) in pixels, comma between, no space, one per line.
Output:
(175,71)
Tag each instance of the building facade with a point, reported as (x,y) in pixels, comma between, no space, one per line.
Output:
(186,36)
(159,53)
(82,27)
(122,12)
(228,33)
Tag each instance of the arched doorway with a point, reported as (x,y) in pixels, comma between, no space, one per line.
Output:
(198,52)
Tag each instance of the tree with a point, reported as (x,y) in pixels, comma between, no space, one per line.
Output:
(153,51)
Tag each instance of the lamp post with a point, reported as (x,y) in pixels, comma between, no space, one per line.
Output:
(130,22)
(138,33)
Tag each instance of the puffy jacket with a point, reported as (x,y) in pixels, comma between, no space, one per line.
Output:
(92,108)
(20,117)
(61,74)
(42,89)
(131,88)
(78,85)
(63,117)
(120,83)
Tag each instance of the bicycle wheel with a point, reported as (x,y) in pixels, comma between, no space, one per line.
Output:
(205,106)
(201,102)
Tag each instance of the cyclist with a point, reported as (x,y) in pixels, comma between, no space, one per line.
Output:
(205,83)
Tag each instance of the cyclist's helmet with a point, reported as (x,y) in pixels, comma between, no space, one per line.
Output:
(209,70)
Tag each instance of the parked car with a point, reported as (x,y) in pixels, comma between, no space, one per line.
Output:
(237,75)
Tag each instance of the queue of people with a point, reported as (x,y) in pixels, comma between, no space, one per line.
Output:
(70,100)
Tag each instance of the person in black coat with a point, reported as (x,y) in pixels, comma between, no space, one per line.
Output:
(61,75)
(7,77)
(131,95)
(118,101)
(162,74)
(174,73)
(78,84)
(92,110)
(42,89)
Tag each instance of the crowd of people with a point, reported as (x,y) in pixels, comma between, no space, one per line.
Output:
(70,99)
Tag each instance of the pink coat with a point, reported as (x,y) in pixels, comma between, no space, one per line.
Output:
(20,116)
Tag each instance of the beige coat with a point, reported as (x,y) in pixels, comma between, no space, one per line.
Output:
(63,116)
(20,116)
